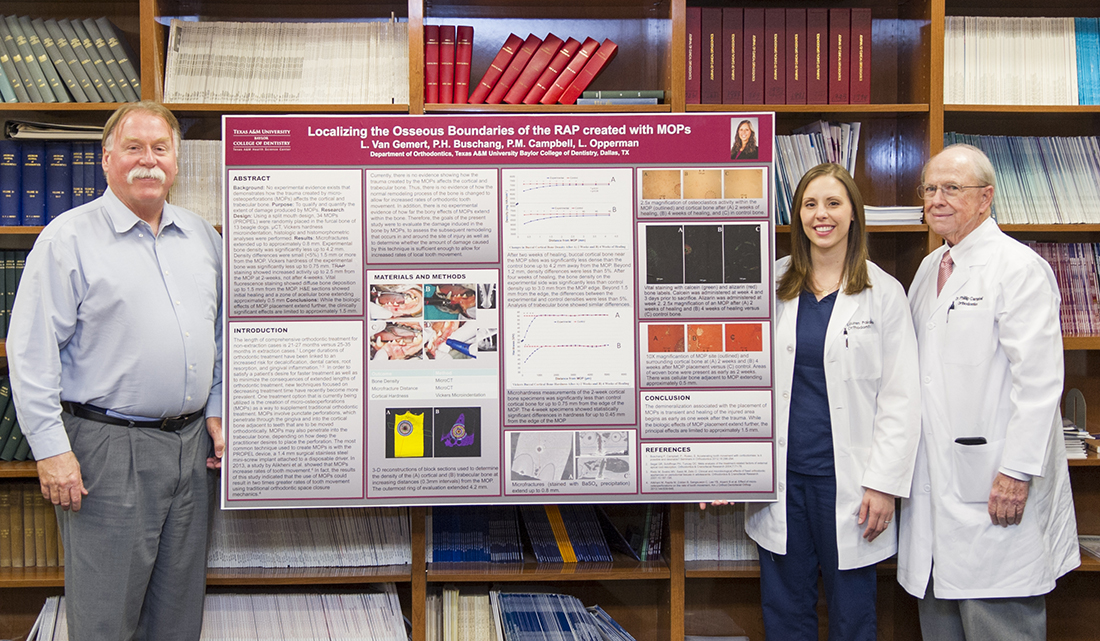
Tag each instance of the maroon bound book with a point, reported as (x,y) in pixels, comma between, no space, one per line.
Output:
(596,64)
(839,48)
(533,71)
(464,52)
(859,77)
(557,64)
(817,56)
(710,78)
(446,63)
(775,55)
(692,38)
(519,61)
(431,63)
(796,56)
(754,56)
(733,66)
(496,69)
(565,78)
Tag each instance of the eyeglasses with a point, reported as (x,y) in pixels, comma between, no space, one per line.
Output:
(950,190)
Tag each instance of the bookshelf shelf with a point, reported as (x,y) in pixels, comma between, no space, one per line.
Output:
(309,576)
(1018,109)
(620,570)
(18,470)
(20,231)
(32,577)
(848,110)
(1081,342)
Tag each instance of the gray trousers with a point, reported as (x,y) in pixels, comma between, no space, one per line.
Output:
(135,553)
(1009,619)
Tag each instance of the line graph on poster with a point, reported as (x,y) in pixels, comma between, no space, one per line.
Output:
(562,203)
(569,348)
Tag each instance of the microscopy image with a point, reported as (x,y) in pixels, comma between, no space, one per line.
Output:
(665,338)
(702,183)
(744,337)
(542,456)
(742,253)
(408,432)
(704,338)
(660,184)
(743,183)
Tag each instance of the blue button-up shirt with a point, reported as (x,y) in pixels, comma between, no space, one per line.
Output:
(110,315)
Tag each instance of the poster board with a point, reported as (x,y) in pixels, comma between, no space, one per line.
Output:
(427,310)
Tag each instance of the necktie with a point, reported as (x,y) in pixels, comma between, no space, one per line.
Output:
(946,267)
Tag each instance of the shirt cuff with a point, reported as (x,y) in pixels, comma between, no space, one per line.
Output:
(1019,476)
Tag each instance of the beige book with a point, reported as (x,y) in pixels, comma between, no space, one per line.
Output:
(53,541)
(5,525)
(15,495)
(28,525)
(40,515)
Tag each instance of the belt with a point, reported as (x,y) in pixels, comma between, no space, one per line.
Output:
(170,424)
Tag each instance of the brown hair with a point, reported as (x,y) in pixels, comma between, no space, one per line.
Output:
(800,272)
(148,106)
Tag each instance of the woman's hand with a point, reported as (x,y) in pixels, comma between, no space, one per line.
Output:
(876,510)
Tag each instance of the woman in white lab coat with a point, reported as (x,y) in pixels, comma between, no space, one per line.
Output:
(847,418)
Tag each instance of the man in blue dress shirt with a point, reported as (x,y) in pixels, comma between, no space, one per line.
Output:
(114,350)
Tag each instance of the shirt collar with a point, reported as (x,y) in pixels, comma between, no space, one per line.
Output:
(969,249)
(123,219)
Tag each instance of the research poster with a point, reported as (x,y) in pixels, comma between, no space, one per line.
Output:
(428,310)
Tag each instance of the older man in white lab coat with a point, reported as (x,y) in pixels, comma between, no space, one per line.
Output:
(990,523)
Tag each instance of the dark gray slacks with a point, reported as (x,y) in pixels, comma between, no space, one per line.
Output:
(135,553)
(1004,619)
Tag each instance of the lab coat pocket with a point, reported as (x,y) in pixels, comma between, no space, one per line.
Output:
(863,354)
(969,336)
(975,468)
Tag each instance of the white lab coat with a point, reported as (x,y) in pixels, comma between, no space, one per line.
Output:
(990,366)
(871,379)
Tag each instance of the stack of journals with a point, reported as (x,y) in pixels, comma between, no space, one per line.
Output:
(776,56)
(287,62)
(1075,267)
(39,180)
(460,614)
(1075,439)
(535,616)
(893,215)
(807,147)
(476,533)
(447,53)
(1041,180)
(333,537)
(372,615)
(76,60)
(11,272)
(198,185)
(717,534)
(1021,61)
(28,528)
(542,70)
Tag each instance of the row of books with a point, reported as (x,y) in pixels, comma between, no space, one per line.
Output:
(1077,440)
(542,70)
(1044,180)
(778,56)
(805,148)
(12,262)
(554,534)
(40,180)
(448,51)
(198,185)
(75,60)
(28,528)
(1075,267)
(14,446)
(330,537)
(538,616)
(717,534)
(287,62)
(372,615)
(1021,61)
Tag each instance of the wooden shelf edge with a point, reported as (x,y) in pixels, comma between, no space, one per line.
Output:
(1056,227)
(919,108)
(18,470)
(32,577)
(547,572)
(1017,109)
(1081,342)
(21,231)
(309,576)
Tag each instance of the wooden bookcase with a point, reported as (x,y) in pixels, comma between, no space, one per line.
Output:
(902,127)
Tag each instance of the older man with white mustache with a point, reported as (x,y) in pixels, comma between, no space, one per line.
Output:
(114,350)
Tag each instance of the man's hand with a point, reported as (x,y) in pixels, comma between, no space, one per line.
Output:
(1006,500)
(876,510)
(214,428)
(703,506)
(61,482)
